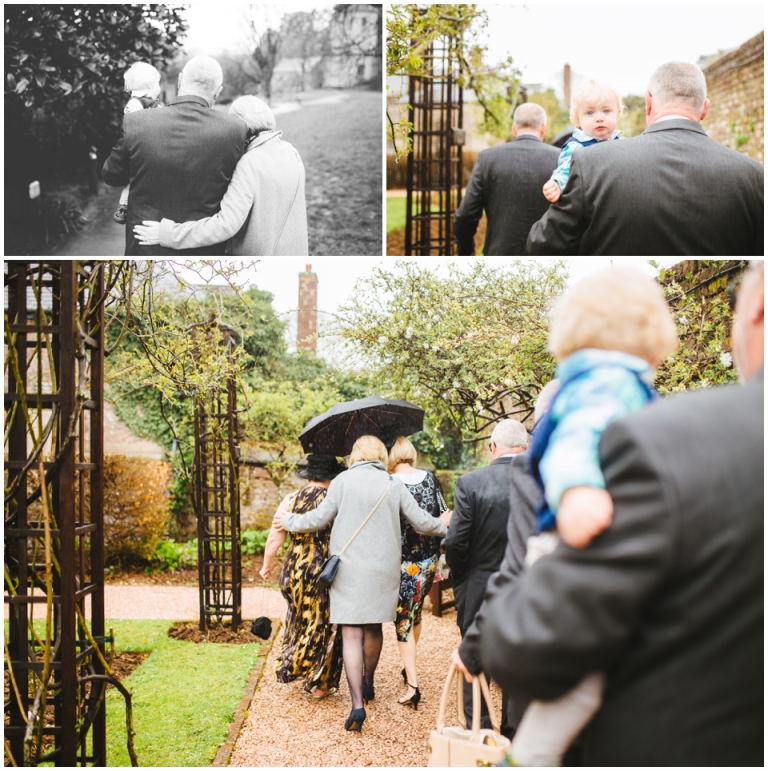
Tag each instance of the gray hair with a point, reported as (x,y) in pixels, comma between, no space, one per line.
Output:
(510,433)
(531,116)
(255,112)
(678,83)
(544,399)
(204,74)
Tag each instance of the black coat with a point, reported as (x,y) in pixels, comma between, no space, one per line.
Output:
(524,497)
(477,536)
(670,191)
(668,601)
(179,160)
(506,181)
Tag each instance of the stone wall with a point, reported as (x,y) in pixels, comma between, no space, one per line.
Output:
(735,86)
(259,497)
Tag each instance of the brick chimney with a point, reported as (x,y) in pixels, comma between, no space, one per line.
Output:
(307,311)
(567,86)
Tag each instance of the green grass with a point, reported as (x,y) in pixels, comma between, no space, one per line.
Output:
(396,212)
(184,696)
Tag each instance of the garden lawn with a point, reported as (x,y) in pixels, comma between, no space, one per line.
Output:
(340,143)
(396,212)
(184,696)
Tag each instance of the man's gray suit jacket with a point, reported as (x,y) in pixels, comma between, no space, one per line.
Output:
(668,601)
(506,181)
(179,160)
(670,191)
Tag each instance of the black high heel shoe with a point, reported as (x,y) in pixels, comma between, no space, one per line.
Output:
(355,720)
(413,699)
(369,694)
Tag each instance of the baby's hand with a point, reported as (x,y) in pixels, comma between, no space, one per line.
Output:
(584,513)
(551,191)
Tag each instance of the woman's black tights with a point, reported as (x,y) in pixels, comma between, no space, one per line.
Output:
(361,648)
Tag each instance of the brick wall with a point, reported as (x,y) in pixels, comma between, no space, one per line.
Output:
(735,89)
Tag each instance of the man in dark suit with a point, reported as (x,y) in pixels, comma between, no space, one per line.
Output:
(507,182)
(670,191)
(477,536)
(179,159)
(668,601)
(524,496)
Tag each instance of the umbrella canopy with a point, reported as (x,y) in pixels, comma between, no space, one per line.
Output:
(335,431)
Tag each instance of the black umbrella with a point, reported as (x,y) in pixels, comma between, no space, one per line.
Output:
(335,431)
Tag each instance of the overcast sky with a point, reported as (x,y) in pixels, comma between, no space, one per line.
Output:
(617,41)
(219,27)
(337,277)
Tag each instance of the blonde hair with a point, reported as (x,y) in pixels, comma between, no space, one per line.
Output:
(592,92)
(368,448)
(402,452)
(616,309)
(141,76)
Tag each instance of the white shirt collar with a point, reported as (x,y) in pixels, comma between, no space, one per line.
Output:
(674,117)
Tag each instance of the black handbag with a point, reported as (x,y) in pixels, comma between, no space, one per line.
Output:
(331,565)
(328,573)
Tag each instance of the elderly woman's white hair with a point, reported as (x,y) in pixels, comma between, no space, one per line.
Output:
(255,112)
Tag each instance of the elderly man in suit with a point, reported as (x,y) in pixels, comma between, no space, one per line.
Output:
(477,536)
(669,600)
(179,160)
(507,182)
(524,497)
(670,191)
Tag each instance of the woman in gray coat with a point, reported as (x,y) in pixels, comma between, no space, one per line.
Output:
(365,591)
(263,212)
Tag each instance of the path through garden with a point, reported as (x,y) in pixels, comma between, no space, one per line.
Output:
(287,727)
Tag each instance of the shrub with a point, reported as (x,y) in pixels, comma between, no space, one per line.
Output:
(253,541)
(136,507)
(170,555)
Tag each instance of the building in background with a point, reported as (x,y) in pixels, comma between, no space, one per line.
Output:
(306,336)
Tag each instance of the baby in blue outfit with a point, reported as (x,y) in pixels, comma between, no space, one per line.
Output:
(609,333)
(595,110)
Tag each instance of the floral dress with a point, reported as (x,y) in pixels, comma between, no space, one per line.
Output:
(311,645)
(420,553)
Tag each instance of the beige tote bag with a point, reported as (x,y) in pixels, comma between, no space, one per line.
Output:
(458,746)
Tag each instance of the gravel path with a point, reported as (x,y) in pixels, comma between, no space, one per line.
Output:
(286,727)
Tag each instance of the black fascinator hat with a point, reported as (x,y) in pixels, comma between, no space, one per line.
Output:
(321,467)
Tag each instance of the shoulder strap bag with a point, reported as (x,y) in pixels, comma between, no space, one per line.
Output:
(328,573)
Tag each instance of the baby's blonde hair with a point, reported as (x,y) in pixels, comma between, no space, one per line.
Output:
(402,452)
(368,447)
(141,76)
(616,309)
(593,92)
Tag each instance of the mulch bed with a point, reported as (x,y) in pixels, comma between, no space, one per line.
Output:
(396,239)
(190,632)
(125,662)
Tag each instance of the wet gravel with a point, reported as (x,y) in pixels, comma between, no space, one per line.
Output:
(287,727)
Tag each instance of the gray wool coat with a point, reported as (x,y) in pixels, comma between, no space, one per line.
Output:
(264,210)
(367,583)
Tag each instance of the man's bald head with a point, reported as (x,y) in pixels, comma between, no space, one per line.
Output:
(202,76)
(677,88)
(530,118)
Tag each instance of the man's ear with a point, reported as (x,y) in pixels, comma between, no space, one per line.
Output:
(705,110)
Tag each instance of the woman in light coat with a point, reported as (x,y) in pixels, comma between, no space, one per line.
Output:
(263,212)
(365,591)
